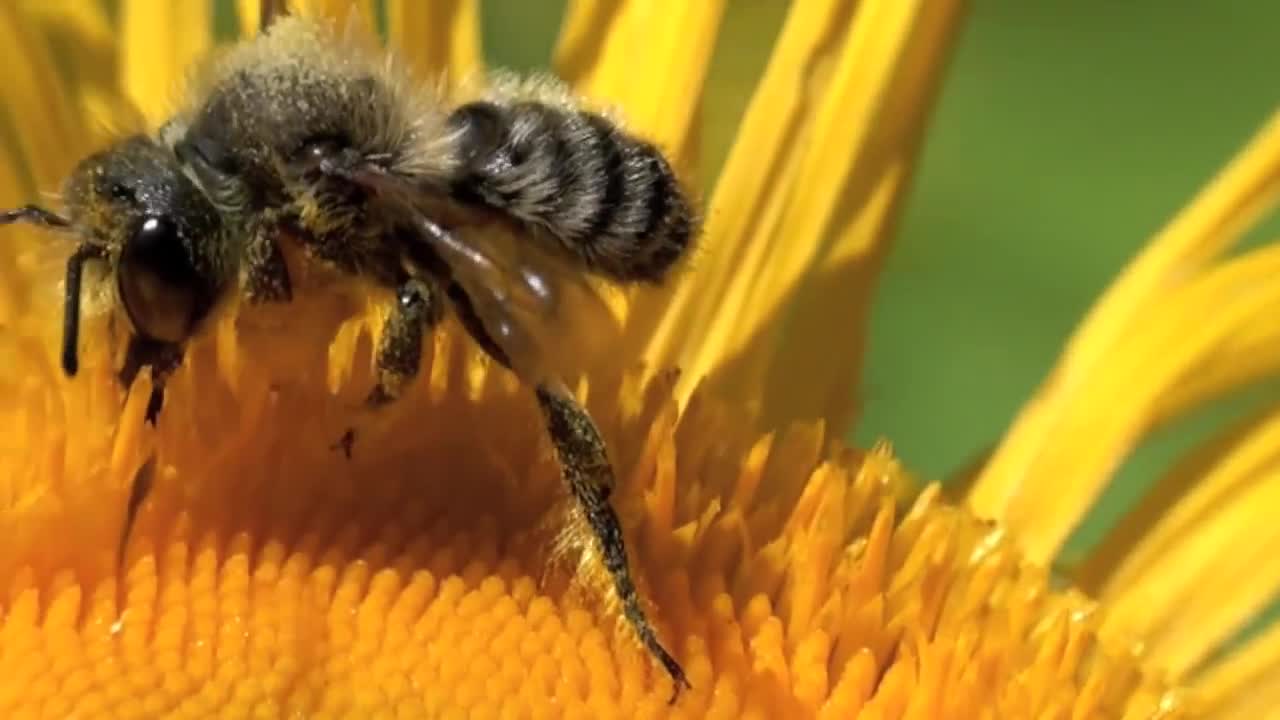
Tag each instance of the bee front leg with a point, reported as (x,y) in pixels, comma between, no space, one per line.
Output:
(266,276)
(163,358)
(586,469)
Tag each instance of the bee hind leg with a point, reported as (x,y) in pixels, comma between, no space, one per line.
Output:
(589,475)
(585,468)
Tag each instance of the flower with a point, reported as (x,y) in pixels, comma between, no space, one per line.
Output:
(794,577)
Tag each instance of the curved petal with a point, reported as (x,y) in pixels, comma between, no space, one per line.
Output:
(829,126)
(45,127)
(1245,684)
(648,57)
(1134,340)
(1176,572)
(160,42)
(440,38)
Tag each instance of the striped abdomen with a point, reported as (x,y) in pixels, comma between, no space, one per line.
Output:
(611,198)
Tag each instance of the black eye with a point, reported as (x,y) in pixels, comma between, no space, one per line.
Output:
(158,283)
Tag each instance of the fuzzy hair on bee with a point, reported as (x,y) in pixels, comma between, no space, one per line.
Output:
(524,149)
(496,208)
(608,196)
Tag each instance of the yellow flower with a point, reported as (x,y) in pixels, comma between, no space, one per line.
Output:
(794,578)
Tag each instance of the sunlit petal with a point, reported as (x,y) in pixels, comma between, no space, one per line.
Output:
(44,126)
(649,57)
(161,40)
(1246,683)
(827,117)
(437,38)
(1136,340)
(1192,564)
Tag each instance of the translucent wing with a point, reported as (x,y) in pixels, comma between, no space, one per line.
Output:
(537,305)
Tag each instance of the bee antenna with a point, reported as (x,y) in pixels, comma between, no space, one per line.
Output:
(269,11)
(71,310)
(34,215)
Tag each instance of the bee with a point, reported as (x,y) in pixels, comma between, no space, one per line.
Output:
(496,209)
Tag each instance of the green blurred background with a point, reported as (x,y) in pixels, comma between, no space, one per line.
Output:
(1066,134)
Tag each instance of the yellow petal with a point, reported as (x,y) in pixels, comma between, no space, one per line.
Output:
(81,36)
(842,280)
(160,42)
(833,123)
(1180,335)
(339,11)
(1249,355)
(603,44)
(1245,684)
(45,130)
(13,283)
(1132,336)
(44,136)
(249,13)
(81,31)
(441,37)
(1183,580)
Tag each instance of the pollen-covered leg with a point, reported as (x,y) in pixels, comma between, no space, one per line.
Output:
(418,308)
(587,471)
(266,274)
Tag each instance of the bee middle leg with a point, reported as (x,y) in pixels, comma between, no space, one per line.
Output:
(418,309)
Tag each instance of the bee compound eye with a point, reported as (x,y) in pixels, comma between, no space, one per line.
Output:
(157,281)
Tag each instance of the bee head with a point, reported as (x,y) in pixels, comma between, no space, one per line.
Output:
(131,207)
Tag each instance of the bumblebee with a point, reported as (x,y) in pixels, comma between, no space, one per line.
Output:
(496,209)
